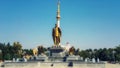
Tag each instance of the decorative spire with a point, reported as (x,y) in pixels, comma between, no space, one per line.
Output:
(58,13)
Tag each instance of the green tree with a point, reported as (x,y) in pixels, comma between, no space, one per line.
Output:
(117,54)
(1,51)
(41,50)
(27,51)
(77,51)
(7,56)
(84,54)
(17,49)
(110,54)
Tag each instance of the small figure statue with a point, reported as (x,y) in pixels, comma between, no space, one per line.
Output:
(56,34)
(35,51)
(72,51)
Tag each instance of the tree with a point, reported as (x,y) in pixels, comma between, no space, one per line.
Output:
(84,54)
(27,51)
(117,55)
(17,49)
(77,51)
(7,56)
(110,54)
(41,50)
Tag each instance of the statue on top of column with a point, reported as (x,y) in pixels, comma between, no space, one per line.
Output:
(56,34)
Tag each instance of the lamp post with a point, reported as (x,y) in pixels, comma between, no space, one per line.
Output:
(113,52)
(0,54)
(0,51)
(95,56)
(90,53)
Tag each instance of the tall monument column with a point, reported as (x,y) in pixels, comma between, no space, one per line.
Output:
(56,32)
(57,50)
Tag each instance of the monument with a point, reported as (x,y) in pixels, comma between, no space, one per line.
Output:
(56,50)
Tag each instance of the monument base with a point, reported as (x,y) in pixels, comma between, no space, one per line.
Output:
(57,51)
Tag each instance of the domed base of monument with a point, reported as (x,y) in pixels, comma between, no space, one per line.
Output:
(57,51)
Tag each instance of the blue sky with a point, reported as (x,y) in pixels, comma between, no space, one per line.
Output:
(84,23)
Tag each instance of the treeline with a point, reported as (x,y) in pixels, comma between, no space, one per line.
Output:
(104,54)
(8,52)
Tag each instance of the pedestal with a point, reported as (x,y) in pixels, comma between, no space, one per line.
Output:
(56,51)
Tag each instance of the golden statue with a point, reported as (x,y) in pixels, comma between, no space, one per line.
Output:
(35,51)
(56,34)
